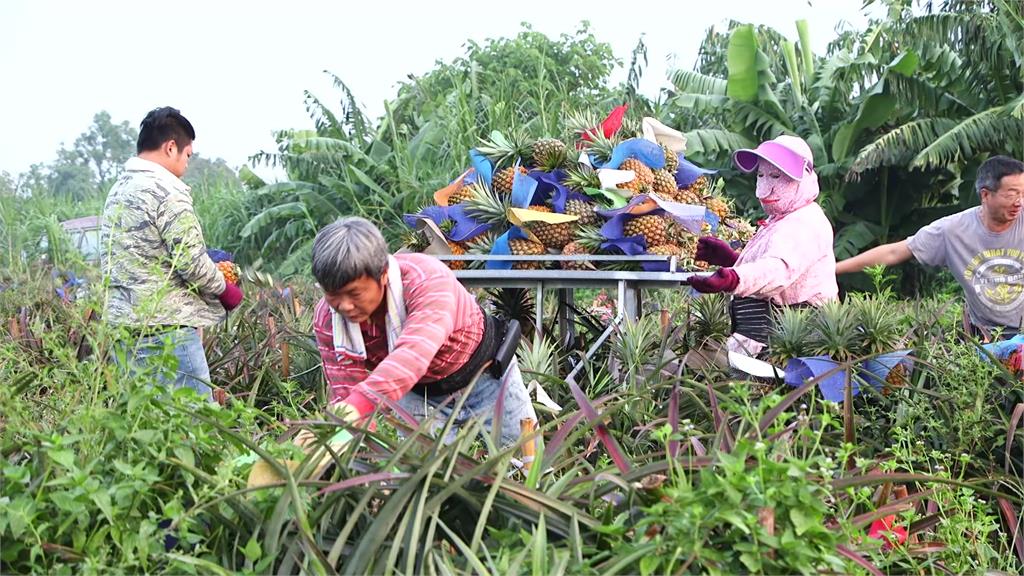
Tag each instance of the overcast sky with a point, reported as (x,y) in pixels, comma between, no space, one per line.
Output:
(238,70)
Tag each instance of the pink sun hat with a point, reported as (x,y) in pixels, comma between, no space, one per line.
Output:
(787,153)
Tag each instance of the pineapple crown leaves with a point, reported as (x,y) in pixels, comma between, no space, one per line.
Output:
(487,206)
(506,150)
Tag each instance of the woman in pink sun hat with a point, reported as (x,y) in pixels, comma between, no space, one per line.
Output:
(790,260)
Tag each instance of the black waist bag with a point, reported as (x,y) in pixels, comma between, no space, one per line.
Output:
(497,346)
(755,318)
(752,317)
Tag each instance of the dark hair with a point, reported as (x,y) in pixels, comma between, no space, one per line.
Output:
(161,125)
(993,170)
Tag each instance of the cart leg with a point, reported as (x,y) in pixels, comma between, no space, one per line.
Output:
(539,314)
(629,300)
(566,317)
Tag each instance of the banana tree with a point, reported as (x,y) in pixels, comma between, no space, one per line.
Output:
(845,105)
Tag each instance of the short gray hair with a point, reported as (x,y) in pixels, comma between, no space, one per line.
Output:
(347,250)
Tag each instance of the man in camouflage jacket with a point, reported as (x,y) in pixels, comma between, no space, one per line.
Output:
(162,284)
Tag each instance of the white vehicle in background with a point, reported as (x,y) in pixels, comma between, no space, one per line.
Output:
(83,237)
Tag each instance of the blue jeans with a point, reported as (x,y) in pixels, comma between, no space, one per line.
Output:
(192,370)
(480,403)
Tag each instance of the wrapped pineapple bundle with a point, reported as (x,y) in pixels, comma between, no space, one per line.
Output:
(525,197)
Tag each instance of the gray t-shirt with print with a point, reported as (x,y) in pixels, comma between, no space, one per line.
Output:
(988,265)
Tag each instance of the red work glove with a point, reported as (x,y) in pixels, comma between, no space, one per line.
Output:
(725,280)
(716,252)
(231,297)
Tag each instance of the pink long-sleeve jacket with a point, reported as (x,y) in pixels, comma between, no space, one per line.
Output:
(790,259)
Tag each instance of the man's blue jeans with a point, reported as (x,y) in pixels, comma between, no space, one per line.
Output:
(481,403)
(192,370)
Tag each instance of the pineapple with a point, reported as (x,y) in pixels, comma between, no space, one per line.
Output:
(737,229)
(582,177)
(504,178)
(587,241)
(718,205)
(550,235)
(527,248)
(791,335)
(584,210)
(457,250)
(671,161)
(668,250)
(701,186)
(549,154)
(664,184)
(480,246)
(230,270)
(504,150)
(462,194)
(643,178)
(652,228)
(688,196)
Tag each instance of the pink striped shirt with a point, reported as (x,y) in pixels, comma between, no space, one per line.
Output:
(443,326)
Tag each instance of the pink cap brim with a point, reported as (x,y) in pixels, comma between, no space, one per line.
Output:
(791,163)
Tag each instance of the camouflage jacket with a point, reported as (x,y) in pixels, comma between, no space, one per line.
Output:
(153,253)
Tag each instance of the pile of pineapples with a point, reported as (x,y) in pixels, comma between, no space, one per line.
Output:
(517,152)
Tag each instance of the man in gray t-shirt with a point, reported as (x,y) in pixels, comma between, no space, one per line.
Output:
(982,246)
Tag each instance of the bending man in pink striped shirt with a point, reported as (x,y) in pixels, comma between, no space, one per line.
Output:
(403,327)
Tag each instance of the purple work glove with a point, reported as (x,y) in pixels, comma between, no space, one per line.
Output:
(724,280)
(716,252)
(231,297)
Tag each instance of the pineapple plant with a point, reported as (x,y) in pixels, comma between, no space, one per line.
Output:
(504,178)
(709,320)
(835,332)
(549,154)
(230,270)
(550,235)
(791,335)
(584,210)
(582,177)
(527,248)
(664,184)
(880,331)
(587,241)
(671,161)
(652,228)
(643,176)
